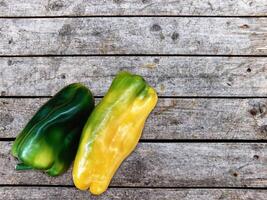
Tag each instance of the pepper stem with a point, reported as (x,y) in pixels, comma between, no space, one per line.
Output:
(22,166)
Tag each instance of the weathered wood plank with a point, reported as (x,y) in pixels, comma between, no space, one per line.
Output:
(168,165)
(149,35)
(171,76)
(55,193)
(171,119)
(133,7)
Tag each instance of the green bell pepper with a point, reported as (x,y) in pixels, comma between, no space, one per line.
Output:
(50,139)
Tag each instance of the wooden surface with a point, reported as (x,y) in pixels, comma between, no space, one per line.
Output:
(171,76)
(183,118)
(133,7)
(146,35)
(207,59)
(56,193)
(167,165)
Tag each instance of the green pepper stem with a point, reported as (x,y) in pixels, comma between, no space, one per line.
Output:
(22,166)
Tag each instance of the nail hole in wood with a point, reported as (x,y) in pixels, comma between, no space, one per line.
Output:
(156,60)
(253,111)
(155,28)
(235,174)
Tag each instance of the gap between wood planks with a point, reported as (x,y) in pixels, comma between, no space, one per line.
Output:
(131,16)
(160,97)
(131,55)
(183,140)
(137,187)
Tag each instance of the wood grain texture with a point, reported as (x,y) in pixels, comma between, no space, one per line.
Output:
(172,118)
(171,76)
(167,165)
(133,7)
(55,193)
(138,35)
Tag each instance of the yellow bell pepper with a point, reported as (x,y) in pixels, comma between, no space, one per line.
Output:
(112,131)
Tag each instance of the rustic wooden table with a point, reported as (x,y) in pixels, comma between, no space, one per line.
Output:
(207,137)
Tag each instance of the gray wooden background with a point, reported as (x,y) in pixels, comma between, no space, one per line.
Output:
(207,137)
